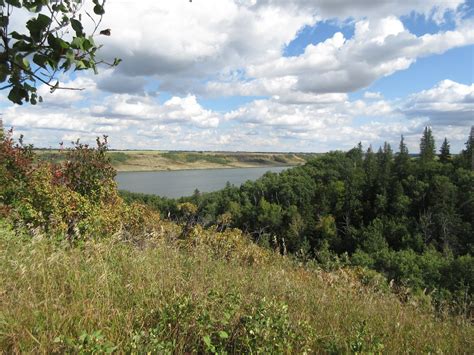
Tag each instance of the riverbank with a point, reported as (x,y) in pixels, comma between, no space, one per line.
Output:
(128,161)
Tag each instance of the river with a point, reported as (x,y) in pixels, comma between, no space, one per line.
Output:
(180,183)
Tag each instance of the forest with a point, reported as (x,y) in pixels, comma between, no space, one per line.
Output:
(408,217)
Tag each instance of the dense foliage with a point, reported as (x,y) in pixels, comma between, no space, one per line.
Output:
(54,41)
(408,217)
(75,198)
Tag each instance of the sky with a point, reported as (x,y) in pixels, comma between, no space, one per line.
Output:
(267,75)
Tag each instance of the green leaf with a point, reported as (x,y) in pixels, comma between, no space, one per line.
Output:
(86,44)
(77,26)
(4,72)
(80,65)
(37,26)
(223,334)
(40,60)
(22,46)
(57,43)
(207,340)
(17,94)
(26,63)
(99,10)
(18,36)
(83,337)
(4,20)
(15,3)
(77,43)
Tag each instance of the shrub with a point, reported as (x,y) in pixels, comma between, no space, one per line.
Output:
(75,198)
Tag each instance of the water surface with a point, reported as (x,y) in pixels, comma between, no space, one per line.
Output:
(183,182)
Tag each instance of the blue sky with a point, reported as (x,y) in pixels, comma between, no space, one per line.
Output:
(269,75)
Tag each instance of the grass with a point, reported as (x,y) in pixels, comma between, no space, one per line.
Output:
(194,157)
(159,160)
(109,295)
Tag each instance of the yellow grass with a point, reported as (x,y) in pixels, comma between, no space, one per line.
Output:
(54,298)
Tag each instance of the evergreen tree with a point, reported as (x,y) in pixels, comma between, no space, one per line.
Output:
(388,152)
(402,160)
(467,155)
(2,132)
(403,150)
(445,155)
(385,161)
(427,146)
(356,154)
(369,186)
(370,164)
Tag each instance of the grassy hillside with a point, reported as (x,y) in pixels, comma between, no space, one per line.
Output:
(83,271)
(178,160)
(111,295)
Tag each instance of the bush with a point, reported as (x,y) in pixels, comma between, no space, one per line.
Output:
(75,198)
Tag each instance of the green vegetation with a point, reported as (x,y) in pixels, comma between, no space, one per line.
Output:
(194,157)
(408,218)
(155,160)
(83,271)
(43,45)
(110,295)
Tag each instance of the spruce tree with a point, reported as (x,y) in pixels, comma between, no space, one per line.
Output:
(402,159)
(427,146)
(403,150)
(445,155)
(356,154)
(467,154)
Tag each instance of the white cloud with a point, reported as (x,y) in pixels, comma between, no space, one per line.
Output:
(372,95)
(124,116)
(235,47)
(342,9)
(178,39)
(338,65)
(448,103)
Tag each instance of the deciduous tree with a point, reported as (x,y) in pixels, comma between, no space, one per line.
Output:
(53,42)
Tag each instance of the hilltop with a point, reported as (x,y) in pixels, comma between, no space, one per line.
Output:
(152,160)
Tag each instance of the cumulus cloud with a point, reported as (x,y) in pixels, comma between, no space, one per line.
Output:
(372,120)
(338,65)
(434,9)
(448,103)
(310,119)
(180,39)
(125,116)
(214,48)
(372,95)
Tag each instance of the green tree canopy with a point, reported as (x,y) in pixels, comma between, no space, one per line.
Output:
(54,41)
(445,155)
(427,146)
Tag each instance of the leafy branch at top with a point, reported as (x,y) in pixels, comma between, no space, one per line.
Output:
(55,42)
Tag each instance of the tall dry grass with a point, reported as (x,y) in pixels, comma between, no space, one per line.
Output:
(109,295)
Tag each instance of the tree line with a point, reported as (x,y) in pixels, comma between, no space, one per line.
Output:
(410,218)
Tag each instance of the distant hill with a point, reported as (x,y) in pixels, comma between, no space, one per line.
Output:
(149,160)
